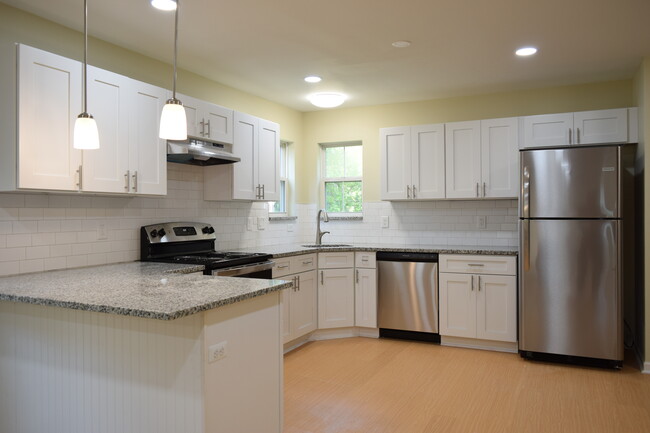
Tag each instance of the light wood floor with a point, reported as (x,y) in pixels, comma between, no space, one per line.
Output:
(369,385)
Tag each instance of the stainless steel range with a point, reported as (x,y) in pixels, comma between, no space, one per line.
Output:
(193,243)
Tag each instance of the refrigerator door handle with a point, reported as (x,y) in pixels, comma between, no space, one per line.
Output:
(526,193)
(525,225)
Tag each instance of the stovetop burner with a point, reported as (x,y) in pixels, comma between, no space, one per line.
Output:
(218,259)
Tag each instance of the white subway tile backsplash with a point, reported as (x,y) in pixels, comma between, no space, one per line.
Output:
(21,240)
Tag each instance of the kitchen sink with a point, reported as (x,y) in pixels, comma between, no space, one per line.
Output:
(326,245)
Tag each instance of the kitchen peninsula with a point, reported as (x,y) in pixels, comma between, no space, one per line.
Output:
(178,351)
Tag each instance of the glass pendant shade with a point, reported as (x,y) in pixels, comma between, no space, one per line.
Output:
(86,135)
(173,122)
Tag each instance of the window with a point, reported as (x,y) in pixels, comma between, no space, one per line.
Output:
(342,177)
(280,206)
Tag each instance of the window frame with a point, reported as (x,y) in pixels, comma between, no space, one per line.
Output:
(284,183)
(324,180)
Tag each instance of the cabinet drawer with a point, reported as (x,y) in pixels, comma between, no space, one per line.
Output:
(479,264)
(303,263)
(336,260)
(365,259)
(282,267)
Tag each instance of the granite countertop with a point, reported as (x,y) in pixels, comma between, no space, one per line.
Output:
(279,251)
(150,290)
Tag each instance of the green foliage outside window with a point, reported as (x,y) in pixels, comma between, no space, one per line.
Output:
(343,186)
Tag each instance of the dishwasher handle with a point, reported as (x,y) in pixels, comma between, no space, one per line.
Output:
(396,256)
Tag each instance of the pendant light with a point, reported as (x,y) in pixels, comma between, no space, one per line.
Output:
(173,122)
(86,135)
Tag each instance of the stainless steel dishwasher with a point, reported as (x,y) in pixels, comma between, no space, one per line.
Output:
(408,295)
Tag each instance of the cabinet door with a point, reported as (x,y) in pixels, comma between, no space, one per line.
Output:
(285,302)
(365,298)
(457,305)
(335,298)
(218,123)
(496,308)
(499,158)
(547,130)
(192,112)
(395,162)
(109,101)
(268,160)
(245,143)
(428,161)
(49,101)
(601,126)
(304,305)
(147,151)
(463,159)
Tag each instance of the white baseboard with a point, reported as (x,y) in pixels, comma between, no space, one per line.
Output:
(471,343)
(646,368)
(294,344)
(331,334)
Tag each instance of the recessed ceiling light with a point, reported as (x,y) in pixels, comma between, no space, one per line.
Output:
(164,5)
(401,44)
(313,79)
(327,100)
(526,51)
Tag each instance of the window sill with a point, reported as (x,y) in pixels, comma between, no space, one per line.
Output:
(282,218)
(342,217)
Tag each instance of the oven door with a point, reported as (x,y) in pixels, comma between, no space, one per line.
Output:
(262,270)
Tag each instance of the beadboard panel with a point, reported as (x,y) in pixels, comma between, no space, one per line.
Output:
(86,372)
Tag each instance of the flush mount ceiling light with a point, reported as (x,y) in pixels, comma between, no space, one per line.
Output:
(313,79)
(86,135)
(164,5)
(327,100)
(526,51)
(173,121)
(401,44)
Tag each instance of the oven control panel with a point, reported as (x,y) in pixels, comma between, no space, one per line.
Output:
(178,232)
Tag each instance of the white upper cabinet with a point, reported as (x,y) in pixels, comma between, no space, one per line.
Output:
(413,162)
(206,120)
(585,127)
(147,151)
(109,97)
(49,101)
(463,159)
(499,158)
(257,175)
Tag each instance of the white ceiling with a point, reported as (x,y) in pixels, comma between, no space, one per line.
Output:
(459,47)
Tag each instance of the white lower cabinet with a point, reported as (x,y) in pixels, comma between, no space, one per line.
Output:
(365,290)
(335,298)
(478,304)
(300,303)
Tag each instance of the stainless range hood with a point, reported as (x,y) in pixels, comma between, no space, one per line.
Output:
(199,151)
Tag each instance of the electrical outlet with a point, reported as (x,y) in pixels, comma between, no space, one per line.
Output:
(261,221)
(217,352)
(384,222)
(250,224)
(481,222)
(102,233)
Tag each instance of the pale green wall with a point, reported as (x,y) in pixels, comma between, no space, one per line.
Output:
(19,26)
(363,123)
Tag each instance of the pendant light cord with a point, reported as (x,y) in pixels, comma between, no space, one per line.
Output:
(175,47)
(85,77)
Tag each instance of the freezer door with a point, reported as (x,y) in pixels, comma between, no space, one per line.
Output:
(569,291)
(578,182)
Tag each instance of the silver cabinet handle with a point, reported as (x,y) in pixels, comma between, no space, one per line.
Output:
(298,281)
(479,283)
(202,123)
(364,259)
(283,266)
(257,194)
(80,183)
(263,192)
(476,264)
(135,181)
(472,286)
(569,135)
(577,135)
(408,191)
(295,283)
(484,189)
(477,189)
(307,262)
(321,278)
(357,276)
(127,180)
(209,128)
(413,189)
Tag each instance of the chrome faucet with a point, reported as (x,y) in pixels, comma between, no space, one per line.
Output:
(319,233)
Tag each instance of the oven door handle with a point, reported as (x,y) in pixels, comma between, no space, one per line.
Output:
(243,270)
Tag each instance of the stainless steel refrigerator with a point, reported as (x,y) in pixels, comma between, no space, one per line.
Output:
(572,216)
